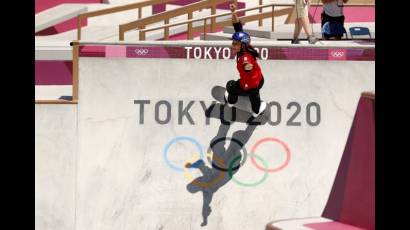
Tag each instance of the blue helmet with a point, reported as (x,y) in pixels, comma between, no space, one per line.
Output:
(242,37)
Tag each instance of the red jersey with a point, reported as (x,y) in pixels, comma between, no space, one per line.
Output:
(249,71)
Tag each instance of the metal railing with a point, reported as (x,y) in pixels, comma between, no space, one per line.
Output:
(260,16)
(167,15)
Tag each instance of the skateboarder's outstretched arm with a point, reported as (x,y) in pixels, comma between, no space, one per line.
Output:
(237,25)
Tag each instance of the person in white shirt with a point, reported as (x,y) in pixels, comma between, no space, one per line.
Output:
(333,12)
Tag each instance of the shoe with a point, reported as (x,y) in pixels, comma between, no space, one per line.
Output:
(312,39)
(226,99)
(295,41)
(261,109)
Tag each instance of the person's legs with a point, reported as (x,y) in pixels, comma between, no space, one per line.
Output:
(322,19)
(255,101)
(299,11)
(341,20)
(232,88)
(306,26)
(325,18)
(302,21)
(297,30)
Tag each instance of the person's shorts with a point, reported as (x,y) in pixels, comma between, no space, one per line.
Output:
(327,18)
(301,9)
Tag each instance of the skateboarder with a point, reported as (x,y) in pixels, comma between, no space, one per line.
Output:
(251,78)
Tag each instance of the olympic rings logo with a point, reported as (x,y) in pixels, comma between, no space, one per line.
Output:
(337,54)
(141,52)
(219,164)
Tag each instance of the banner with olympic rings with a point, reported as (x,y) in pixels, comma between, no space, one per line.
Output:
(224,52)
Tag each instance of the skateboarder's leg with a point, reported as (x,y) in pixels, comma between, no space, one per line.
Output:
(255,101)
(233,89)
(258,106)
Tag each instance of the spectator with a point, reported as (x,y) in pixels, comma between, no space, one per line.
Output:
(302,20)
(333,13)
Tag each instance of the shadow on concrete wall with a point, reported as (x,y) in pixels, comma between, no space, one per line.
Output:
(217,176)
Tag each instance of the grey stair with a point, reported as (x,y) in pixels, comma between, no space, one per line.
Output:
(52,50)
(89,33)
(53,92)
(58,14)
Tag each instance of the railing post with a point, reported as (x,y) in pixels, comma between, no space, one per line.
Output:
(260,23)
(213,20)
(166,29)
(142,34)
(79,27)
(76,53)
(121,34)
(190,29)
(273,18)
(205,29)
(139,12)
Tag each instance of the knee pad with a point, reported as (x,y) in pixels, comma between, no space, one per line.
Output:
(229,85)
